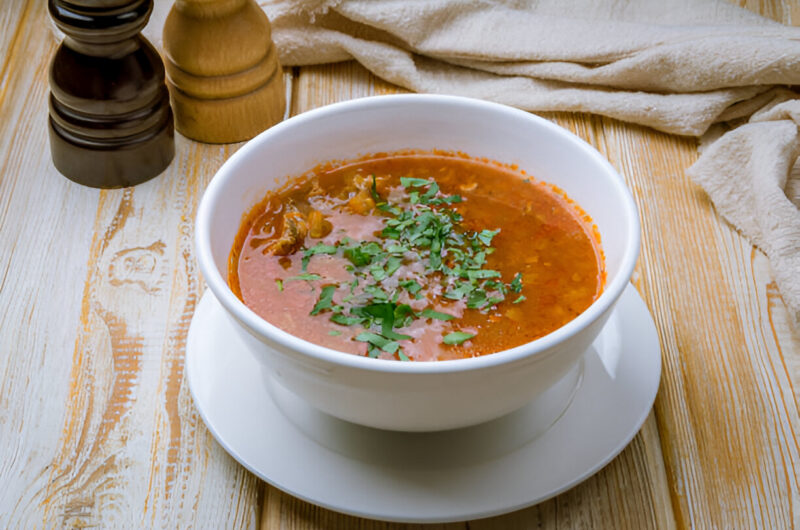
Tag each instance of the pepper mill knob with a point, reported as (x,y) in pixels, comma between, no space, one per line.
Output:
(110,120)
(222,70)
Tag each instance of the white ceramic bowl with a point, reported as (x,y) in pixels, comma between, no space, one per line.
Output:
(418,396)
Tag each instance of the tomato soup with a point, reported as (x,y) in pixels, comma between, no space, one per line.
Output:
(417,257)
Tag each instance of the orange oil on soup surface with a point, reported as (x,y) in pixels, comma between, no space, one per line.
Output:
(417,256)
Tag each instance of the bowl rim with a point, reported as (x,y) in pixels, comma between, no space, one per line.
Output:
(247,317)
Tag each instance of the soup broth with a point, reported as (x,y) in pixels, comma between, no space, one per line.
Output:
(417,256)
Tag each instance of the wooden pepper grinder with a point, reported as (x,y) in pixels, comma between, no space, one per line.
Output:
(222,70)
(110,121)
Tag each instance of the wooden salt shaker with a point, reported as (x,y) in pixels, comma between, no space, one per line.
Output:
(110,119)
(222,70)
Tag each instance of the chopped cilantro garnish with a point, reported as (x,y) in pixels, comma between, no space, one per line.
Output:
(378,272)
(319,248)
(401,313)
(476,300)
(520,299)
(389,346)
(325,299)
(409,182)
(373,190)
(396,249)
(422,228)
(334,333)
(486,236)
(433,189)
(376,292)
(430,313)
(516,283)
(309,277)
(392,264)
(452,199)
(481,273)
(460,291)
(363,254)
(457,337)
(395,336)
(345,320)
(279,284)
(494,300)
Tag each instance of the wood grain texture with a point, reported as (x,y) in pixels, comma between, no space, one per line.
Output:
(12,25)
(34,354)
(133,451)
(725,442)
(783,11)
(126,381)
(97,427)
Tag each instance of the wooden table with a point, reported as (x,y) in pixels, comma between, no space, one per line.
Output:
(97,290)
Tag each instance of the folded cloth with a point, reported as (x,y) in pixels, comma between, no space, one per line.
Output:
(748,173)
(678,66)
(675,65)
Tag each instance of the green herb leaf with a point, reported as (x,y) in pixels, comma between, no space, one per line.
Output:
(411,286)
(334,333)
(486,236)
(477,299)
(430,313)
(401,312)
(388,208)
(345,320)
(520,299)
(410,182)
(389,346)
(279,283)
(396,249)
(433,189)
(482,274)
(392,264)
(377,293)
(494,300)
(363,254)
(461,290)
(377,272)
(374,191)
(309,277)
(325,299)
(516,283)
(319,248)
(389,334)
(373,352)
(451,199)
(457,337)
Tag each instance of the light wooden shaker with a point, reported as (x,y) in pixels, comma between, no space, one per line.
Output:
(223,73)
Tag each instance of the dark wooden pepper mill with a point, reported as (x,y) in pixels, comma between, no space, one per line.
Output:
(110,121)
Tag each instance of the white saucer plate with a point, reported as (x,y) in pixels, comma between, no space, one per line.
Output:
(499,467)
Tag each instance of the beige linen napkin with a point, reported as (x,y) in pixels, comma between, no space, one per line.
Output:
(748,174)
(675,65)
